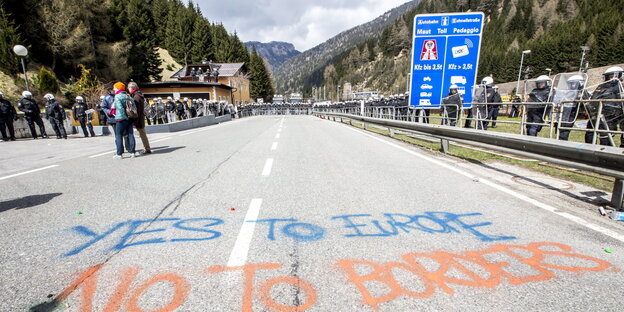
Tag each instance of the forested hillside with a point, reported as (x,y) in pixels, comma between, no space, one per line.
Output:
(553,29)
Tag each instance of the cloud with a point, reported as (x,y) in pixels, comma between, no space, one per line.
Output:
(302,23)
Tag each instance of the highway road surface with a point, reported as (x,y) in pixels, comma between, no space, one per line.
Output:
(294,213)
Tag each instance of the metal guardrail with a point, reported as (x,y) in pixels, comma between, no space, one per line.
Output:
(603,160)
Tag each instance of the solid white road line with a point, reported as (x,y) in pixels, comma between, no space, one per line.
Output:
(274,146)
(238,257)
(267,167)
(101,154)
(160,140)
(277,136)
(503,189)
(27,172)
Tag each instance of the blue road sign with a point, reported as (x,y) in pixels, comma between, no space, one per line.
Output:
(445,52)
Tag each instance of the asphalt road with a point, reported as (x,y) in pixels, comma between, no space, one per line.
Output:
(293,214)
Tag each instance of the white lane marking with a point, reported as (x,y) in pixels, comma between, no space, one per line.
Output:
(267,167)
(160,140)
(238,257)
(101,154)
(503,189)
(279,130)
(277,136)
(193,132)
(27,172)
(274,146)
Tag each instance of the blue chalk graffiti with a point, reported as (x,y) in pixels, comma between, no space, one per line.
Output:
(353,226)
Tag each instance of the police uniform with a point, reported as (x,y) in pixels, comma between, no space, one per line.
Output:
(613,112)
(55,113)
(535,112)
(79,111)
(7,116)
(33,116)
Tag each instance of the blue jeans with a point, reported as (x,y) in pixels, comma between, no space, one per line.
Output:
(124,127)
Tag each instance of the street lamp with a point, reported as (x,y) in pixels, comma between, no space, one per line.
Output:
(520,71)
(585,49)
(549,71)
(22,52)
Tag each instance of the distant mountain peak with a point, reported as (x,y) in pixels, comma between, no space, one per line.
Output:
(275,52)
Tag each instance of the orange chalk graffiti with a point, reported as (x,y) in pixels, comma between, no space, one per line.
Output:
(383,272)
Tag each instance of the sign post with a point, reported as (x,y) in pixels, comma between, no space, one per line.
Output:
(445,52)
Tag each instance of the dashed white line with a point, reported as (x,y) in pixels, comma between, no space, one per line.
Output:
(503,189)
(267,167)
(27,172)
(274,146)
(277,136)
(238,257)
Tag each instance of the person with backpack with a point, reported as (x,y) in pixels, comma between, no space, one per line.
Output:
(125,110)
(55,113)
(139,123)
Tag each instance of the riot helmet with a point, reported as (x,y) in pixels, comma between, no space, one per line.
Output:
(453,89)
(79,99)
(542,82)
(576,82)
(488,81)
(26,94)
(49,97)
(169,98)
(614,72)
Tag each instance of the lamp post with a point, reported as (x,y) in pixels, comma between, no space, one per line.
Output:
(520,71)
(21,51)
(549,71)
(585,49)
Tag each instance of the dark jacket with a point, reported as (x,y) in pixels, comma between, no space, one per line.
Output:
(54,110)
(7,110)
(611,89)
(139,101)
(106,105)
(29,107)
(79,110)
(539,95)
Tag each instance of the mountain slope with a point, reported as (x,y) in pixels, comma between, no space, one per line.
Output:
(302,71)
(275,52)
(553,30)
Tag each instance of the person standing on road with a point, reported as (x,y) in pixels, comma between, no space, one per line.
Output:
(612,112)
(170,110)
(55,113)
(451,104)
(495,99)
(180,107)
(536,111)
(139,100)
(123,123)
(7,116)
(108,103)
(79,111)
(32,113)
(569,111)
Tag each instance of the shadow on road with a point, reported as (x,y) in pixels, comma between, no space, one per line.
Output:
(166,149)
(27,202)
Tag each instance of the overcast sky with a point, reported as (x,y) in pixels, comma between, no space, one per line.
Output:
(302,23)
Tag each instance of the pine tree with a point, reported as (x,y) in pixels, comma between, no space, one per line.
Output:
(139,30)
(221,42)
(261,84)
(9,37)
(202,41)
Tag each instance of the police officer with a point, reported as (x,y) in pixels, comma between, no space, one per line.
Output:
(451,104)
(55,113)
(612,112)
(480,112)
(32,114)
(574,91)
(495,99)
(79,111)
(101,113)
(193,74)
(180,107)
(7,116)
(535,112)
(170,109)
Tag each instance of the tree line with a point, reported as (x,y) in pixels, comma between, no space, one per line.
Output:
(554,37)
(116,39)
